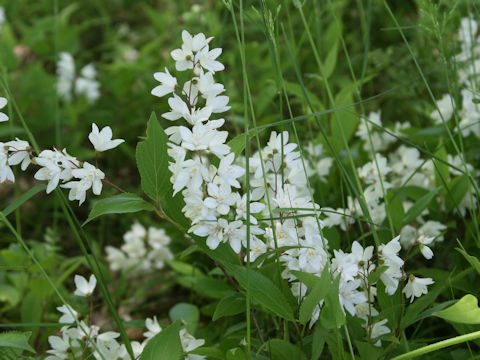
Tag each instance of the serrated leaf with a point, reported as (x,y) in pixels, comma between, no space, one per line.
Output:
(152,161)
(16,340)
(464,311)
(119,204)
(232,304)
(167,343)
(262,290)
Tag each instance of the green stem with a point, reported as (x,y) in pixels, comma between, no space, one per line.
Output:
(439,345)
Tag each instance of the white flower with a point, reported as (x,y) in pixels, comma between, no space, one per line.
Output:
(3,102)
(379,329)
(60,347)
(157,238)
(19,153)
(66,75)
(241,209)
(102,140)
(189,343)
(167,86)
(84,287)
(349,297)
(390,279)
(207,59)
(90,177)
(363,257)
(194,43)
(56,165)
(389,253)
(116,258)
(445,109)
(69,315)
(89,71)
(344,264)
(228,173)
(424,249)
(416,287)
(257,248)
(87,85)
(153,327)
(6,172)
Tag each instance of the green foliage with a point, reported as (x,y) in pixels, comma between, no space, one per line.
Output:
(119,204)
(262,290)
(16,340)
(464,311)
(167,343)
(152,161)
(284,350)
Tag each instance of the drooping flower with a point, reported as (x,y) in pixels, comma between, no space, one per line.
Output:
(416,287)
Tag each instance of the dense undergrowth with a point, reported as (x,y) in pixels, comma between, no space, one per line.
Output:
(236,180)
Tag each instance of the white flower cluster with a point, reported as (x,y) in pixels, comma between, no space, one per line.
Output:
(83,85)
(57,165)
(278,177)
(210,192)
(135,256)
(84,340)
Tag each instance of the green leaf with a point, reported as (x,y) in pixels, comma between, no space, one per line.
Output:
(374,276)
(284,350)
(464,311)
(473,260)
(316,294)
(152,161)
(16,340)
(236,354)
(187,313)
(23,198)
(332,315)
(9,294)
(330,61)
(395,209)
(442,171)
(263,290)
(167,343)
(458,188)
(232,304)
(172,206)
(318,341)
(368,351)
(119,204)
(419,206)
